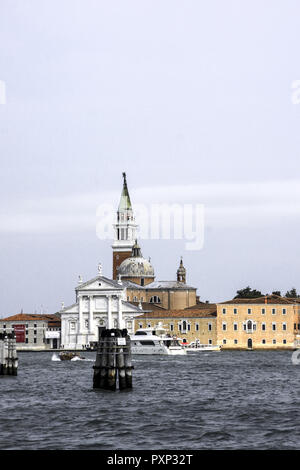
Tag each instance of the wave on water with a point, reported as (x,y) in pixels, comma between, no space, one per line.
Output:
(55,357)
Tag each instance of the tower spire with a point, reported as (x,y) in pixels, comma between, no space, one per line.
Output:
(125,203)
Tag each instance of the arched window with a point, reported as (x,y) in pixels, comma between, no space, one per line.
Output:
(135,299)
(250,326)
(155,299)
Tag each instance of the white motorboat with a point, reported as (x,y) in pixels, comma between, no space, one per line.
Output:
(196,346)
(155,341)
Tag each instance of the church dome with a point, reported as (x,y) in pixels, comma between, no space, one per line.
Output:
(136,265)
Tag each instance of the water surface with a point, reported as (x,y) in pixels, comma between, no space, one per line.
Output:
(212,400)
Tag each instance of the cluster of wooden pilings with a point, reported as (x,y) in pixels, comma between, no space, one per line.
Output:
(8,354)
(113,361)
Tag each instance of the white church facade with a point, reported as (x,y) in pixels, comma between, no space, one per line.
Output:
(100,303)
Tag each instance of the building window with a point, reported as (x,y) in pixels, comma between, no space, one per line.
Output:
(34,340)
(284,326)
(284,311)
(86,324)
(249,326)
(284,341)
(273,311)
(171,327)
(263,341)
(274,326)
(140,325)
(197,326)
(263,311)
(209,327)
(249,311)
(148,325)
(224,326)
(274,341)
(210,341)
(142,282)
(72,326)
(235,341)
(34,332)
(224,310)
(184,326)
(235,326)
(155,299)
(263,327)
(179,326)
(224,341)
(188,327)
(235,311)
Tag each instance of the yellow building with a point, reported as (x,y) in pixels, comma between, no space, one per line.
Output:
(268,322)
(191,324)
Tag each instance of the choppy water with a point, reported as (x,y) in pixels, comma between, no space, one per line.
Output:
(214,400)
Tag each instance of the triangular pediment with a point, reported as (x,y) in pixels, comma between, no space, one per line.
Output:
(99,283)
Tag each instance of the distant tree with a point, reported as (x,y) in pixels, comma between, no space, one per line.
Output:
(277,292)
(292,293)
(248,293)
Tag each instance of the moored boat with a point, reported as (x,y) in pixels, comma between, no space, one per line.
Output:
(155,341)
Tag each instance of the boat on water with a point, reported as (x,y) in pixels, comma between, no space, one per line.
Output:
(155,341)
(196,346)
(69,356)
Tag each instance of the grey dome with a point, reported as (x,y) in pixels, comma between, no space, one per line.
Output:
(136,266)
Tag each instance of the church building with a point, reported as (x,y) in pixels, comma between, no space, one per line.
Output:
(99,303)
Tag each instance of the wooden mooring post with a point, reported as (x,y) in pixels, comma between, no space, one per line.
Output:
(8,354)
(113,361)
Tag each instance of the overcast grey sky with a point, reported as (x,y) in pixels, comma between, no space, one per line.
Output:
(193,99)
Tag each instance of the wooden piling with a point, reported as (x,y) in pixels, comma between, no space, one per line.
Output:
(111,367)
(1,352)
(128,362)
(8,354)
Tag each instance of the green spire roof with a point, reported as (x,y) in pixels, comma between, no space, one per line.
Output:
(125,203)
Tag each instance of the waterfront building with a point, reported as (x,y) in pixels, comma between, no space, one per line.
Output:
(267,322)
(100,303)
(197,323)
(33,332)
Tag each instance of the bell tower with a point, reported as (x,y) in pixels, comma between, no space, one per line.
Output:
(125,229)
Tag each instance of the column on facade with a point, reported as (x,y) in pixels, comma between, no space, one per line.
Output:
(109,313)
(91,312)
(80,315)
(120,314)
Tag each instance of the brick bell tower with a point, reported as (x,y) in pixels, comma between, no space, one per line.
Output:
(125,230)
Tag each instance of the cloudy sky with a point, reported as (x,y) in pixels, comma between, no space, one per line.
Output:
(198,101)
